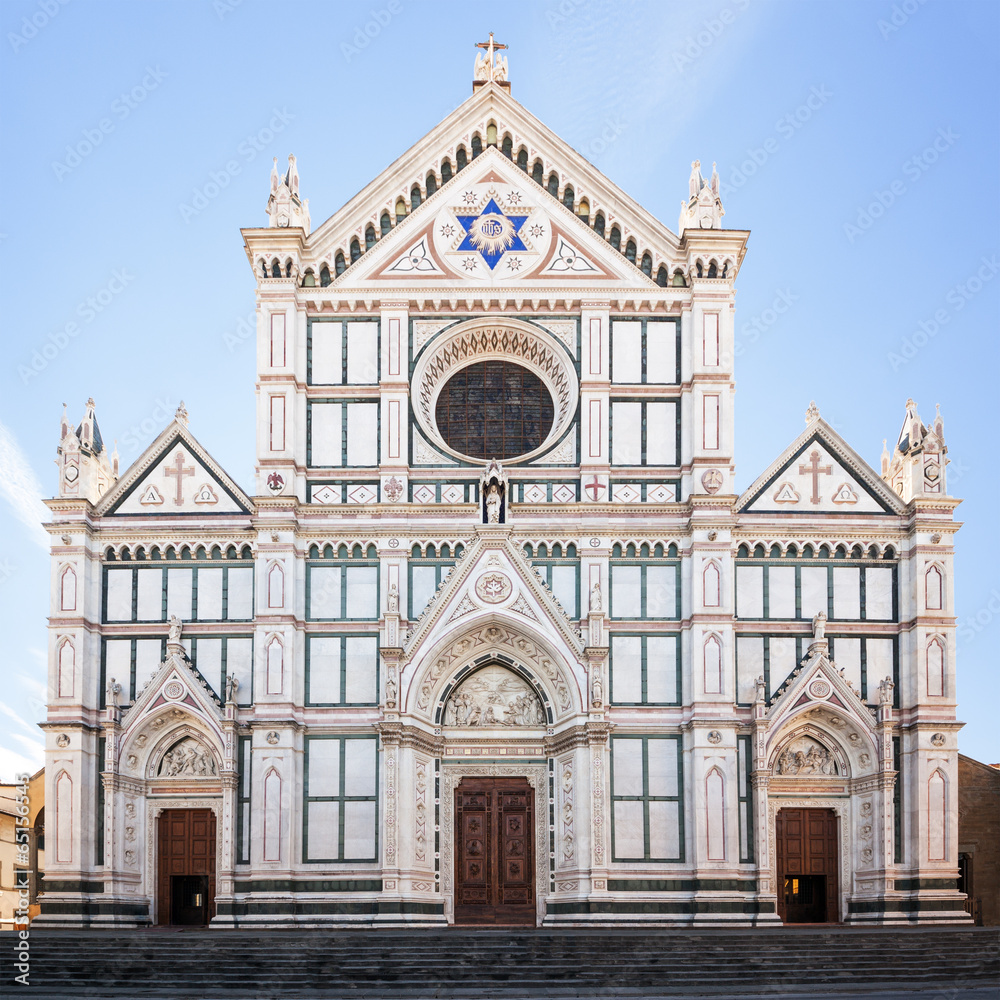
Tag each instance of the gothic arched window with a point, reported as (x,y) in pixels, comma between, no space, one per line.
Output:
(536,173)
(616,238)
(554,184)
(339,264)
(461,158)
(507,147)
(432,184)
(400,210)
(599,224)
(522,159)
(369,237)
(445,171)
(477,146)
(385,223)
(415,198)
(647,265)
(661,276)
(630,251)
(355,250)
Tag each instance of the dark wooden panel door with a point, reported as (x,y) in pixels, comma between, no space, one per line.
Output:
(186,866)
(494,851)
(807,858)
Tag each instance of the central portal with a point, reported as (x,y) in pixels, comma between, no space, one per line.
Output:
(806,841)
(186,869)
(494,851)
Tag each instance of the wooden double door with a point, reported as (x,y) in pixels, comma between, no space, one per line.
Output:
(494,851)
(807,855)
(186,869)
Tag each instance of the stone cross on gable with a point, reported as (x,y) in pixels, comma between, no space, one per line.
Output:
(180,471)
(816,470)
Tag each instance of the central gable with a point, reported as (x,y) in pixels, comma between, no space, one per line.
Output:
(492,225)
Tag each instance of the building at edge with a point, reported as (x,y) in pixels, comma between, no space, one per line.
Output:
(492,639)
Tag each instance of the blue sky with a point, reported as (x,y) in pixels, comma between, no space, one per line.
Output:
(857,141)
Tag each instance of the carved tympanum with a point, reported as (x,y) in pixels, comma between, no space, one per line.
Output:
(494,696)
(805,756)
(188,757)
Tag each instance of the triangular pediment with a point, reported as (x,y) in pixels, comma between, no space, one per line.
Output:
(493,226)
(177,685)
(820,472)
(488,106)
(175,476)
(493,579)
(818,684)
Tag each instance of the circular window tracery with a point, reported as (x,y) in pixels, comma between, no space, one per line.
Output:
(536,369)
(494,409)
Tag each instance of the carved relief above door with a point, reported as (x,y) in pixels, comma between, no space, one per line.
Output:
(494,851)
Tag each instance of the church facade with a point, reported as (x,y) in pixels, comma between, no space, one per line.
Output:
(492,638)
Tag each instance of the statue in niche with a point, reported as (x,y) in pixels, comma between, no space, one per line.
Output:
(232,686)
(597,695)
(885,689)
(493,489)
(494,696)
(393,599)
(596,601)
(390,690)
(114,693)
(493,503)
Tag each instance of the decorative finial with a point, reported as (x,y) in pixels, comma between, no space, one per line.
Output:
(812,414)
(490,67)
(181,416)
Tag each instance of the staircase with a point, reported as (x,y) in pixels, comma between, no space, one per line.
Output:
(511,963)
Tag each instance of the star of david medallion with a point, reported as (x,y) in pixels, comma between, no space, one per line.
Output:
(491,233)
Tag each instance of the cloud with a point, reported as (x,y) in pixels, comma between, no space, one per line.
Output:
(19,718)
(21,489)
(13,763)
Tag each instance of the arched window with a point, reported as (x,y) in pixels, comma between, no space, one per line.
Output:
(678,279)
(276,586)
(400,210)
(263,268)
(584,210)
(630,251)
(275,269)
(67,669)
(477,146)
(445,170)
(554,184)
(536,173)
(369,237)
(712,586)
(385,223)
(522,159)
(67,597)
(355,250)
(274,662)
(647,265)
(713,270)
(432,184)
(569,196)
(491,134)
(935,668)
(662,277)
(507,147)
(415,198)
(933,589)
(339,264)
(461,158)
(288,268)
(698,269)
(616,238)
(309,280)
(713,665)
(599,225)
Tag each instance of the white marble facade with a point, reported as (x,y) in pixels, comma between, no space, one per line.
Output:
(320,659)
